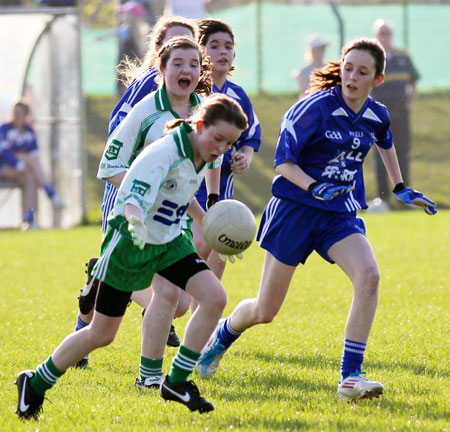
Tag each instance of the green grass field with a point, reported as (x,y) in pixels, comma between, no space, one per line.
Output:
(281,376)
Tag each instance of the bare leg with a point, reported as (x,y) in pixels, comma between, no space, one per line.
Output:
(355,256)
(25,180)
(74,347)
(143,298)
(211,298)
(200,244)
(34,165)
(275,280)
(88,317)
(216,264)
(211,257)
(158,317)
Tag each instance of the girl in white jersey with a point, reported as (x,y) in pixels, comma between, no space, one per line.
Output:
(145,238)
(323,141)
(139,78)
(184,72)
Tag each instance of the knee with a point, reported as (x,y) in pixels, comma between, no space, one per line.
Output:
(168,293)
(370,279)
(99,339)
(217,300)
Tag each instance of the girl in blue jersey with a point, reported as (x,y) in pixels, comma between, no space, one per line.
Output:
(145,238)
(323,141)
(20,138)
(218,39)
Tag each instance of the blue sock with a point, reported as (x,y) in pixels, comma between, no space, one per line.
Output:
(29,216)
(49,190)
(80,323)
(352,358)
(226,334)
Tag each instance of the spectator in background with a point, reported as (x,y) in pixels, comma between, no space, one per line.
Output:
(21,162)
(131,32)
(397,93)
(189,9)
(314,55)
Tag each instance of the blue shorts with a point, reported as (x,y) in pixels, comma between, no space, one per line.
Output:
(291,231)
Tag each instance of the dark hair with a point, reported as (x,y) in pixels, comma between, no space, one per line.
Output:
(328,77)
(129,69)
(213,108)
(204,85)
(207,27)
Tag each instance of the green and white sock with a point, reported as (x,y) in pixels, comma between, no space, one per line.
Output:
(150,367)
(45,377)
(183,364)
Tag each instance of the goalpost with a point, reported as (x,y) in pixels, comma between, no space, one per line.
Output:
(41,64)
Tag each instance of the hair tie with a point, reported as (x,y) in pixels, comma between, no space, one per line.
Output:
(186,125)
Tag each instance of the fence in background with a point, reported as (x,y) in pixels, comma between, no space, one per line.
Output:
(265,63)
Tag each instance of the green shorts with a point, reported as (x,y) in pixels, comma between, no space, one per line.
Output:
(127,268)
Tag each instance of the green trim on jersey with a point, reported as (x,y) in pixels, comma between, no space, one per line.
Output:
(163,104)
(140,139)
(184,144)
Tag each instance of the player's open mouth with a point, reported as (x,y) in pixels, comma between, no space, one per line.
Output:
(184,83)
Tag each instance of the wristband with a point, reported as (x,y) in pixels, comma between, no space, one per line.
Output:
(399,187)
(212,199)
(313,185)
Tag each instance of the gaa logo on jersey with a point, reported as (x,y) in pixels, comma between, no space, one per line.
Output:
(113,150)
(334,135)
(170,185)
(140,187)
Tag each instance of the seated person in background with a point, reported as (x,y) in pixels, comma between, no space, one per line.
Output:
(13,169)
(22,164)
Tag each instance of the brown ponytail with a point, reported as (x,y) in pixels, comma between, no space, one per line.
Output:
(328,77)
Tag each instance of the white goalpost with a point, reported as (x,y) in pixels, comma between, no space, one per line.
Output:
(40,54)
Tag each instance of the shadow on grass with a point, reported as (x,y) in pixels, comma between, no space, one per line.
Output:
(321,362)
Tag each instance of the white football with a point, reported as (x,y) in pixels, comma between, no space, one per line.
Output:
(229,227)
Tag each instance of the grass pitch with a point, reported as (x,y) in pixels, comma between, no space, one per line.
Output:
(280,376)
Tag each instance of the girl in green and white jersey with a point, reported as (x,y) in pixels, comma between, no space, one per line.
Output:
(184,74)
(144,238)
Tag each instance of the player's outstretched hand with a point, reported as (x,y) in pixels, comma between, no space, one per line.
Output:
(327,191)
(212,199)
(138,231)
(231,258)
(413,197)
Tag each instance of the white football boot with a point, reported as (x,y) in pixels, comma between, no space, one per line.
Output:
(357,387)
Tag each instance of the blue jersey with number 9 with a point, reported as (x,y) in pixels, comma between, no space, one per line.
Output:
(329,142)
